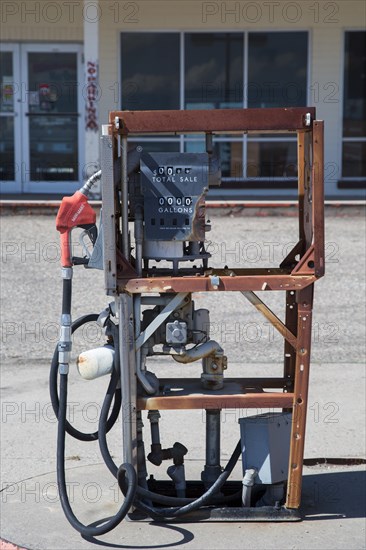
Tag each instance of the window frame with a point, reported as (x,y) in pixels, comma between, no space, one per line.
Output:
(284,184)
(347,182)
(15,185)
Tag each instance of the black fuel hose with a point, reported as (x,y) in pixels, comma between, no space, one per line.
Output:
(128,486)
(168,513)
(77,434)
(124,471)
(108,460)
(141,491)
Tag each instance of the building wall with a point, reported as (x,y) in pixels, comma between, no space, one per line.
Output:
(326,22)
(41,20)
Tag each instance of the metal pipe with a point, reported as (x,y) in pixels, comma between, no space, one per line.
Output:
(213,437)
(141,462)
(124,337)
(154,417)
(209,143)
(177,475)
(212,468)
(248,482)
(140,358)
(155,457)
(124,173)
(85,190)
(198,352)
(139,230)
(137,319)
(142,378)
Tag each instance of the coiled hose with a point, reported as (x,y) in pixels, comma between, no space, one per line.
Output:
(179,503)
(88,530)
(77,434)
(125,474)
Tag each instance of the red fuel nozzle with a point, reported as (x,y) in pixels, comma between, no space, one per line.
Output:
(74,212)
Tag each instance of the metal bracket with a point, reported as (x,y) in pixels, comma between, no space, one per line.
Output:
(155,324)
(215,281)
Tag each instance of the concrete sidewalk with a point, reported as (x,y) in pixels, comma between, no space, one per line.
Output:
(333,504)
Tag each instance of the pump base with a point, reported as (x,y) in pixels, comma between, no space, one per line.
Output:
(230,511)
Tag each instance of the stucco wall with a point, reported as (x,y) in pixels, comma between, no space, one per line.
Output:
(42,20)
(326,22)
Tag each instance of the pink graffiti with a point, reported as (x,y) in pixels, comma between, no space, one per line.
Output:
(91,119)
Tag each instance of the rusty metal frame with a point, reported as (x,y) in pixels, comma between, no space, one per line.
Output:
(295,276)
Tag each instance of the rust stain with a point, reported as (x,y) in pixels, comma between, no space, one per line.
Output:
(213,121)
(216,401)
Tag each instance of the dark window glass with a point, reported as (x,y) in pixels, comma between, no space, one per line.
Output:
(277,69)
(53,116)
(150,71)
(53,83)
(213,70)
(6,82)
(354,159)
(354,103)
(53,147)
(271,160)
(7,168)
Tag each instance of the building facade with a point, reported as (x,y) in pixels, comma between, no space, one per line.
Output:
(66,64)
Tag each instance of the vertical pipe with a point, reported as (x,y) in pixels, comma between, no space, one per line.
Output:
(124,172)
(141,461)
(138,239)
(213,437)
(137,319)
(212,468)
(209,143)
(127,380)
(154,416)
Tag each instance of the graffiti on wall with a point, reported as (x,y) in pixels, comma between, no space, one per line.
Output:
(91,111)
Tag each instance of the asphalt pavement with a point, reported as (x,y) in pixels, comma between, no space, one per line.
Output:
(333,505)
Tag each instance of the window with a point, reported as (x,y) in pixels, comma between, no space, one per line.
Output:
(213,70)
(7,148)
(354,106)
(219,70)
(53,116)
(150,71)
(40,123)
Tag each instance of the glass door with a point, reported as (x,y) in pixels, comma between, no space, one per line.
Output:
(52,146)
(10,105)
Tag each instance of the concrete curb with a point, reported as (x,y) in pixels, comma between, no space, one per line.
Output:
(5,545)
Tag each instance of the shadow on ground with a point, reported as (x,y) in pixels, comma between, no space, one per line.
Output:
(330,495)
(326,496)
